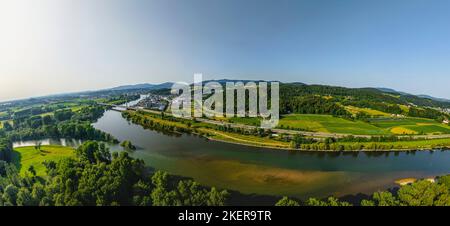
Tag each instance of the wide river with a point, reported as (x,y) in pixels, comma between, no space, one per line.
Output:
(261,171)
(252,170)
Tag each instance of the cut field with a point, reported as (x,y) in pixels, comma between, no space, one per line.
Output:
(329,124)
(411,126)
(371,112)
(24,157)
(246,121)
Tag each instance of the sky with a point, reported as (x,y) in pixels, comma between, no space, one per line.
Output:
(58,46)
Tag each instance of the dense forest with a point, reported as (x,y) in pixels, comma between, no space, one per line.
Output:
(95,177)
(98,178)
(311,105)
(288,90)
(63,123)
(420,193)
(6,149)
(320,99)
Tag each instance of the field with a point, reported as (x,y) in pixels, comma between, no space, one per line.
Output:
(371,112)
(24,157)
(246,121)
(409,125)
(375,126)
(329,124)
(3,114)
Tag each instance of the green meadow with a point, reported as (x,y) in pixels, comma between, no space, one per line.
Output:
(329,124)
(24,157)
(378,125)
(410,125)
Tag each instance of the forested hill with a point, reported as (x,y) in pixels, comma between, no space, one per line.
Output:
(332,100)
(369,94)
(360,94)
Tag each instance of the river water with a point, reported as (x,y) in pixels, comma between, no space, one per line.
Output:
(253,170)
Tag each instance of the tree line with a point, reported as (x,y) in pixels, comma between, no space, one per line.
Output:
(6,149)
(63,123)
(420,193)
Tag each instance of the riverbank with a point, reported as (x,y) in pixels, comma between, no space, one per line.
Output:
(221,133)
(265,171)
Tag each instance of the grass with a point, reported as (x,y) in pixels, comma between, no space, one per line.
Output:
(409,125)
(246,139)
(206,128)
(409,145)
(24,157)
(371,112)
(254,121)
(403,130)
(3,114)
(322,123)
(329,124)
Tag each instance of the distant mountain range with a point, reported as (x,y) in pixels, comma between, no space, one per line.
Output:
(393,91)
(168,85)
(148,86)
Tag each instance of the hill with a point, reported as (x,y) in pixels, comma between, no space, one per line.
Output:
(146,86)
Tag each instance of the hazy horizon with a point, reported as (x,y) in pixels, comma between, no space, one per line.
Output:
(60,46)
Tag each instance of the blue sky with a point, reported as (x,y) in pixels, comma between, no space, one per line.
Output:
(60,46)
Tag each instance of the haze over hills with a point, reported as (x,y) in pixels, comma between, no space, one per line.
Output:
(168,85)
(165,85)
(388,90)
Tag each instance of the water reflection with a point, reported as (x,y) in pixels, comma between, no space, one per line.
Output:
(63,142)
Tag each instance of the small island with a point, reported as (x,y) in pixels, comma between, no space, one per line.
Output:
(127,145)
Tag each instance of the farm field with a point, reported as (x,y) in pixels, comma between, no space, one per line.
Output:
(246,121)
(378,125)
(411,126)
(329,124)
(24,157)
(371,112)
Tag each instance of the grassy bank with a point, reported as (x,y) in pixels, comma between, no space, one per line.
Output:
(215,132)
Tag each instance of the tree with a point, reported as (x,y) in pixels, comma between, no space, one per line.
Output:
(424,193)
(128,145)
(93,152)
(444,180)
(32,170)
(217,198)
(331,201)
(24,197)
(7,126)
(160,194)
(384,198)
(38,146)
(10,195)
(285,201)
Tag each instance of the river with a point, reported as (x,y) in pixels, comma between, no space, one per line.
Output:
(253,170)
